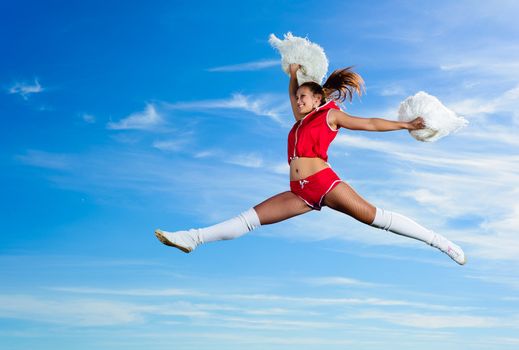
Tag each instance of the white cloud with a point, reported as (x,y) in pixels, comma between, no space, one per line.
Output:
(206,153)
(508,101)
(339,281)
(248,66)
(498,239)
(264,105)
(431,321)
(456,66)
(504,134)
(499,276)
(170,145)
(321,302)
(145,120)
(490,63)
(127,292)
(246,160)
(427,197)
(393,90)
(88,118)
(46,160)
(24,89)
(222,309)
(76,312)
(280,168)
(61,261)
(368,143)
(457,184)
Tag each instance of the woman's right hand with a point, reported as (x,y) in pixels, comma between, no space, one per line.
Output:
(293,68)
(416,124)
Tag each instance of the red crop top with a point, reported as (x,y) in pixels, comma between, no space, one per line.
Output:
(311,136)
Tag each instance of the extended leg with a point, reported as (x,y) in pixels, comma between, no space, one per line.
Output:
(344,199)
(277,208)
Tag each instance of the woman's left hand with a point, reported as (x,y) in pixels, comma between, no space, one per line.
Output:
(416,124)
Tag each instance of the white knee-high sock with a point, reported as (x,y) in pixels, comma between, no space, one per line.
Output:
(402,225)
(230,229)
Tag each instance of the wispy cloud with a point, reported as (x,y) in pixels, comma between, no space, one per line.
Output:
(495,134)
(24,89)
(78,312)
(459,173)
(474,64)
(432,321)
(500,240)
(501,277)
(61,261)
(170,145)
(129,292)
(206,153)
(46,160)
(264,105)
(317,301)
(508,101)
(393,90)
(88,118)
(247,160)
(339,281)
(145,120)
(368,143)
(220,309)
(248,66)
(155,177)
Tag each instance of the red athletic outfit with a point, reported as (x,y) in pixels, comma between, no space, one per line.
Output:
(310,137)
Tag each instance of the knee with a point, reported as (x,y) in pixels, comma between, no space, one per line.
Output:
(382,219)
(372,214)
(366,214)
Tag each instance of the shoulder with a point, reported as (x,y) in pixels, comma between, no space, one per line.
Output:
(333,117)
(332,104)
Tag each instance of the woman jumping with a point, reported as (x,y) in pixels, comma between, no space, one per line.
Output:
(313,183)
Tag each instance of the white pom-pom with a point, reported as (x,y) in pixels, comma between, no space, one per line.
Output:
(310,56)
(439,120)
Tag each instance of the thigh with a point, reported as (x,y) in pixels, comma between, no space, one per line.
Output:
(280,207)
(343,198)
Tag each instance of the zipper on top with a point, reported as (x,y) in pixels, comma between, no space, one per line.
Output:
(295,140)
(301,123)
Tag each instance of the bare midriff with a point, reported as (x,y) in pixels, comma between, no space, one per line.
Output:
(303,167)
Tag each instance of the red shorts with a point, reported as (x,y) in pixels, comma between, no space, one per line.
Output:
(313,188)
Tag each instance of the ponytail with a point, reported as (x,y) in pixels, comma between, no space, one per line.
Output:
(342,84)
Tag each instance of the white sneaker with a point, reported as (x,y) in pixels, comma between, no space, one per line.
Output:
(186,241)
(452,250)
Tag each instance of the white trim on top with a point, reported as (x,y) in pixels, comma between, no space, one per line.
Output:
(301,123)
(318,108)
(327,123)
(315,110)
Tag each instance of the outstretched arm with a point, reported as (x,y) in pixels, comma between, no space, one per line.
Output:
(338,118)
(292,90)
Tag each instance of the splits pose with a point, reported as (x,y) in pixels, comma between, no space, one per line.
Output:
(313,183)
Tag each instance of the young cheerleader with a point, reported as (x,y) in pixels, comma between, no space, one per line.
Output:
(313,183)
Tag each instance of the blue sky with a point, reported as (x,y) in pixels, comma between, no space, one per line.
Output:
(118,118)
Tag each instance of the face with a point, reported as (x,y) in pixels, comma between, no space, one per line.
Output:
(306,100)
